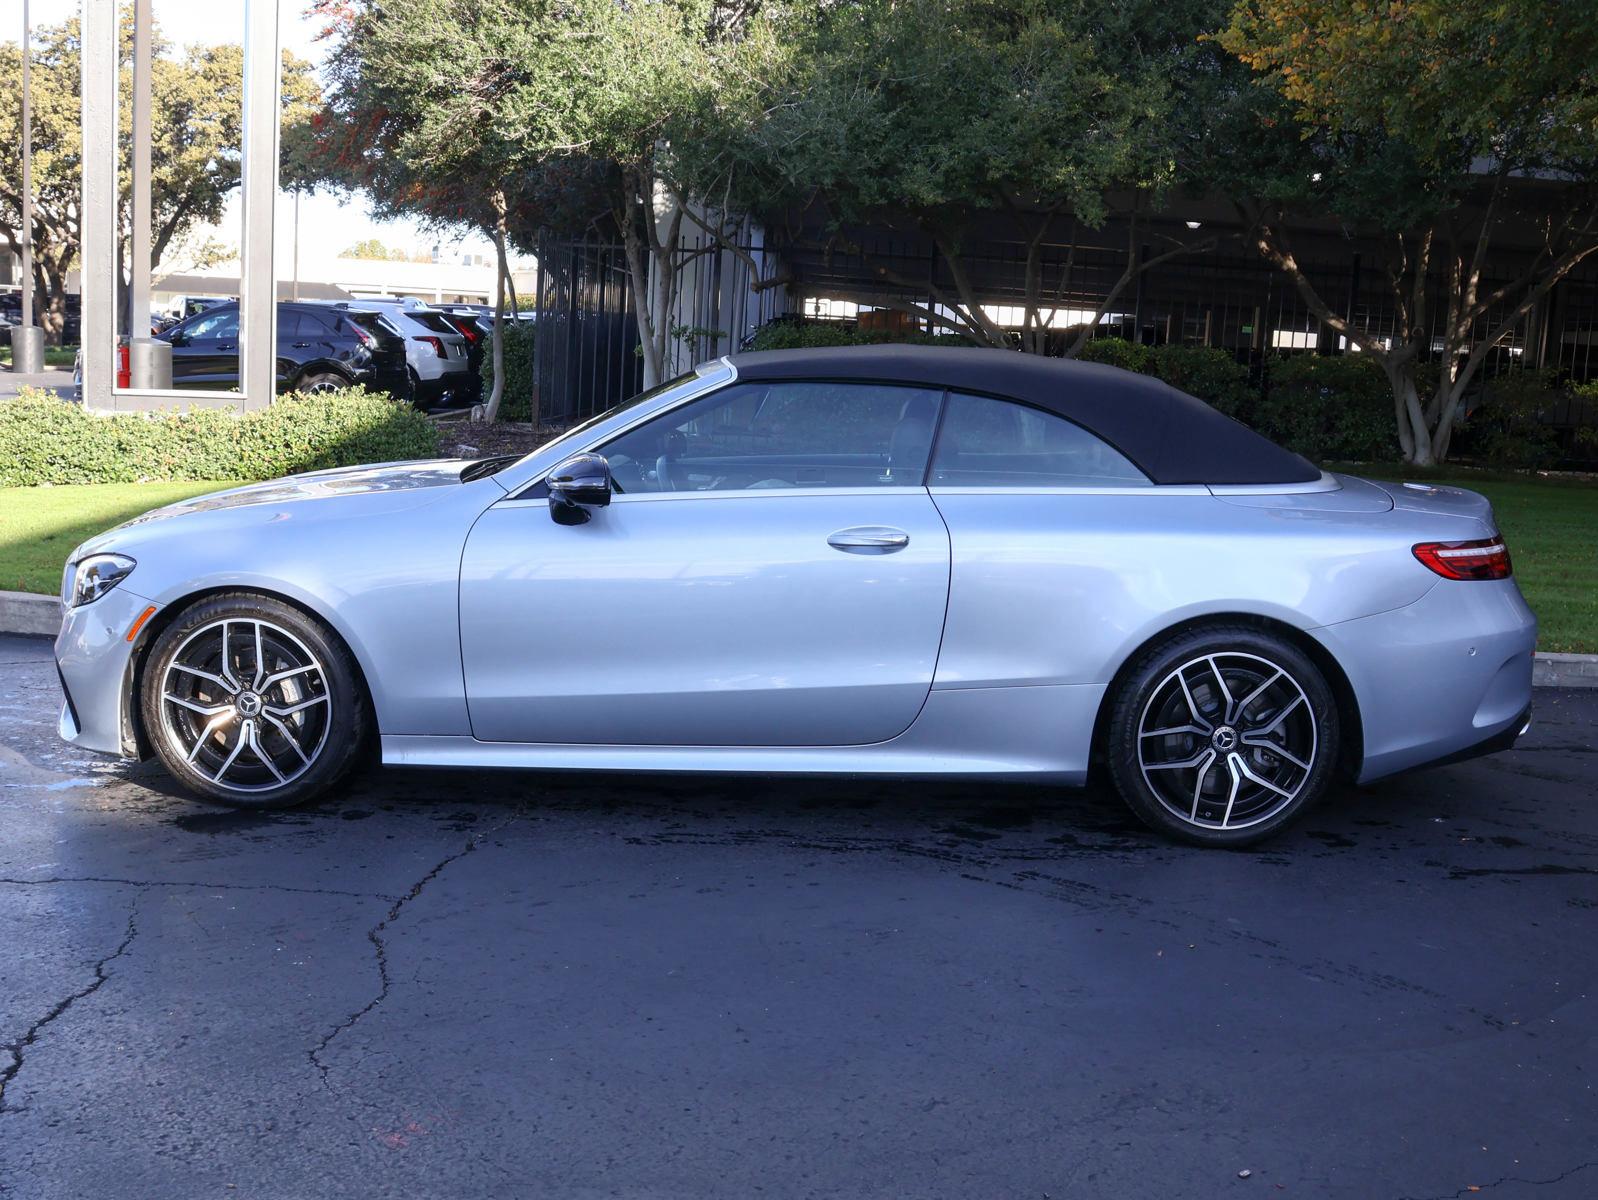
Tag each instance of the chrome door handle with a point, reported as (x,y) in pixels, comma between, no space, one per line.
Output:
(869,539)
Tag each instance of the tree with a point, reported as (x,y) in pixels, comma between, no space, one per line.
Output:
(194,153)
(514,115)
(957,118)
(1443,130)
(373,248)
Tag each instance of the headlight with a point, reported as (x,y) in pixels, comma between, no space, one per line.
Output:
(90,578)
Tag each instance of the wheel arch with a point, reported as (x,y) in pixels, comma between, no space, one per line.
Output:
(133,681)
(1352,753)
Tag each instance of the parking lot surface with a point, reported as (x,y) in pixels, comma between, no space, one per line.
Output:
(452,984)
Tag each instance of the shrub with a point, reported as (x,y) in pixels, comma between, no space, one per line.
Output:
(46,440)
(1506,428)
(1337,408)
(520,378)
(1212,375)
(1118,352)
(806,335)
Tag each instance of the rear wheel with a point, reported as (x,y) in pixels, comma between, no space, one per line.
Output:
(251,702)
(320,383)
(1222,736)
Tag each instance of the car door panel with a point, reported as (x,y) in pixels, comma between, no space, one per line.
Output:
(705,619)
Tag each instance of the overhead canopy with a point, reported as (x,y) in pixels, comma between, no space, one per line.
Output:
(1171,436)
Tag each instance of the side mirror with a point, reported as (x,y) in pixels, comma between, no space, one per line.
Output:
(576,485)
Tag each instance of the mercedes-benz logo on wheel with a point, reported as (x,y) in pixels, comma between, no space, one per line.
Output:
(1224,738)
(248,704)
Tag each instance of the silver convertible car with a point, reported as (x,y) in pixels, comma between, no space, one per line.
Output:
(869,561)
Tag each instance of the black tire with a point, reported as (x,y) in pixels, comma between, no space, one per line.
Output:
(297,729)
(1227,765)
(321,381)
(418,402)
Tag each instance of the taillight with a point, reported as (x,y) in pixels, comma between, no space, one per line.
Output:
(367,339)
(436,343)
(1487,558)
(468,331)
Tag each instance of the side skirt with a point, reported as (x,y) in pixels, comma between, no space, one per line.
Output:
(1023,733)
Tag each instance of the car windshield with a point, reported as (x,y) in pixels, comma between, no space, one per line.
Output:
(577,431)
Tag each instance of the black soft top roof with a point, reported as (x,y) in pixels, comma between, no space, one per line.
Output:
(1171,436)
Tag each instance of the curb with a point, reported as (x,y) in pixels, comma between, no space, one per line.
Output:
(29,614)
(40,616)
(1564,670)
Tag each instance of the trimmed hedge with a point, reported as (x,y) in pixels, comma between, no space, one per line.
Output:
(517,402)
(1336,408)
(45,440)
(1329,409)
(1212,375)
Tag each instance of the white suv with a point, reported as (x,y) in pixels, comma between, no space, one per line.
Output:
(435,351)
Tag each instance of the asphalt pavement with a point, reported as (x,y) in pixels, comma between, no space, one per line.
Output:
(451,984)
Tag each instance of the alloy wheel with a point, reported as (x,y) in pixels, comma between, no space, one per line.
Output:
(1227,741)
(247,704)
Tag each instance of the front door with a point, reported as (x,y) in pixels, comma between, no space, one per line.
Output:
(771,572)
(205,350)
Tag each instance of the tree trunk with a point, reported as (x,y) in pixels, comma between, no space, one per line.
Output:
(490,409)
(1414,438)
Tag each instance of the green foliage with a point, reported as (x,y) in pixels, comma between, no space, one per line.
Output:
(520,379)
(1506,427)
(46,440)
(1118,352)
(1336,408)
(804,335)
(1212,375)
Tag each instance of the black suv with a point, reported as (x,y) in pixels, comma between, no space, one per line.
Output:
(318,349)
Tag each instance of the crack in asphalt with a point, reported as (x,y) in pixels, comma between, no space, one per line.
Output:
(15,1049)
(1472,1189)
(143,884)
(380,950)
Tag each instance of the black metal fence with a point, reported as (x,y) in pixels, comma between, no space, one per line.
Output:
(588,347)
(585,355)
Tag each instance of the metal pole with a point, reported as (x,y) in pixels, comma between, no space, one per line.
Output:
(27,340)
(27,169)
(149,360)
(139,290)
(259,171)
(99,206)
(295,294)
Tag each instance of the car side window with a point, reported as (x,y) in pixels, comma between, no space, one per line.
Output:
(798,434)
(996,443)
(223,324)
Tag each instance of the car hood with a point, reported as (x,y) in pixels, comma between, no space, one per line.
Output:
(313,486)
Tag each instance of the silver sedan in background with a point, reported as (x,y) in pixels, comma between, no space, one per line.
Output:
(884,560)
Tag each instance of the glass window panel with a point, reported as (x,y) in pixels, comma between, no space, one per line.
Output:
(996,443)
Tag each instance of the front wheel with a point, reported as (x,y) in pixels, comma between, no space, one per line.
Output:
(1222,736)
(249,701)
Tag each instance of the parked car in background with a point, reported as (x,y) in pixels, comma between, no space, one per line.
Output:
(318,349)
(467,321)
(436,352)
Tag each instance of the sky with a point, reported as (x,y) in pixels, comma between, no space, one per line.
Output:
(327,223)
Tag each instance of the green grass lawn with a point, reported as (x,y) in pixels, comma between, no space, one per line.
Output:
(54,356)
(40,526)
(1552,527)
